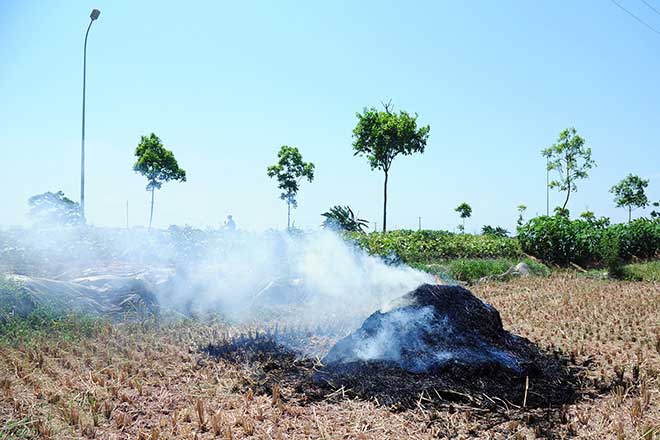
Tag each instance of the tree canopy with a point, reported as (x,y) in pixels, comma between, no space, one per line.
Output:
(571,159)
(54,209)
(289,170)
(157,164)
(464,211)
(382,135)
(630,193)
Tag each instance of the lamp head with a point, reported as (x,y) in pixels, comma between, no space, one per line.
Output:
(95,14)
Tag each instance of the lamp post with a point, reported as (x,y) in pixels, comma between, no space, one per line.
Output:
(93,16)
(547,186)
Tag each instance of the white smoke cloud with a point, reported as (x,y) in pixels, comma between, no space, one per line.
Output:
(310,278)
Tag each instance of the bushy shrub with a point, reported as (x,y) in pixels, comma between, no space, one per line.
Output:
(559,240)
(433,246)
(471,269)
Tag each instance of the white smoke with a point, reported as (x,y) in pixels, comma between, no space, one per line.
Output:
(310,277)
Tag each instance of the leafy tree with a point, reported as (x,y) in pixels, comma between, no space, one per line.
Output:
(289,170)
(343,218)
(157,164)
(521,212)
(496,231)
(54,209)
(465,211)
(588,216)
(381,136)
(562,212)
(629,193)
(571,159)
(654,213)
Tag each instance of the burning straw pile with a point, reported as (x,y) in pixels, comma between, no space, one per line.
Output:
(433,345)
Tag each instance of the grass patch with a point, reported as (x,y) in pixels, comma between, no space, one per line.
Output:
(473,269)
(649,271)
(21,320)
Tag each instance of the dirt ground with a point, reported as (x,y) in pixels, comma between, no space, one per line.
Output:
(138,381)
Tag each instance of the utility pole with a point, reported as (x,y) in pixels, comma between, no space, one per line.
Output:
(420,223)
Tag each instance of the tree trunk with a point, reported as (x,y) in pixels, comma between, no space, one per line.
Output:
(629,213)
(288,216)
(151,214)
(463,225)
(385,203)
(568,194)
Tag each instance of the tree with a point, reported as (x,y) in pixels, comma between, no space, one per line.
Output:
(588,216)
(654,213)
(381,136)
(343,218)
(571,159)
(289,171)
(465,211)
(496,231)
(54,209)
(157,164)
(521,211)
(629,193)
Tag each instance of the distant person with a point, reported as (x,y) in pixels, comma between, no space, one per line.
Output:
(230,224)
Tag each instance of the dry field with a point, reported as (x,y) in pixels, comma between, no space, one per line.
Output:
(132,381)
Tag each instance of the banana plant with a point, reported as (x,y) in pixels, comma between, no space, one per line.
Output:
(342,218)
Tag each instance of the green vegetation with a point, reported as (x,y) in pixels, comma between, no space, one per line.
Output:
(521,215)
(289,170)
(428,247)
(497,231)
(157,164)
(571,159)
(560,240)
(21,321)
(629,193)
(649,271)
(381,136)
(464,211)
(54,209)
(342,218)
(470,270)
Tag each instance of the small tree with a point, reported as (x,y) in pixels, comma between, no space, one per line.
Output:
(588,216)
(381,136)
(54,209)
(289,171)
(496,231)
(629,193)
(465,211)
(654,213)
(157,164)
(521,212)
(571,159)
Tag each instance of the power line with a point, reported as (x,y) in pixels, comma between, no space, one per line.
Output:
(636,17)
(651,6)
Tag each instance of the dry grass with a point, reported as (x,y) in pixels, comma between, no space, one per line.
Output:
(134,382)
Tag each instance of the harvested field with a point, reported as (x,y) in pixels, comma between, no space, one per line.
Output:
(146,381)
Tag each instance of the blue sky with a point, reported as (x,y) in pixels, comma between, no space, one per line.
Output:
(225,84)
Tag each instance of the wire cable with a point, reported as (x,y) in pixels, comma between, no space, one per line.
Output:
(636,17)
(651,6)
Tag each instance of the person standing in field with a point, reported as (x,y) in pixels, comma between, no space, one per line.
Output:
(230,224)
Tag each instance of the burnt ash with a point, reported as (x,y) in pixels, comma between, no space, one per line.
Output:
(434,327)
(480,364)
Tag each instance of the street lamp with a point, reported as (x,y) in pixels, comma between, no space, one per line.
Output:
(93,16)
